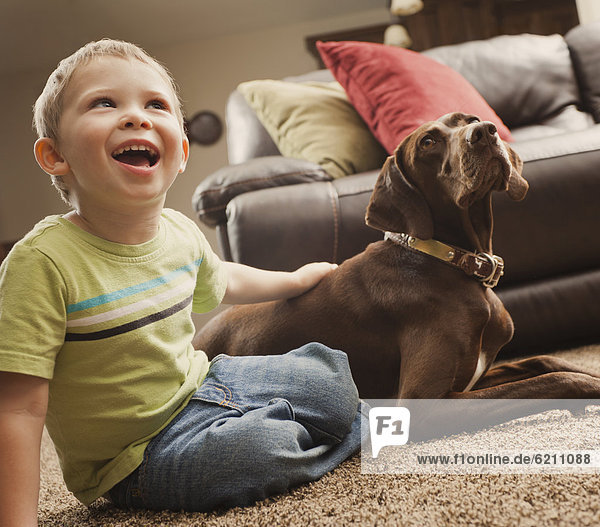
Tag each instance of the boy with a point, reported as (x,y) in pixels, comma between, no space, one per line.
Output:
(96,329)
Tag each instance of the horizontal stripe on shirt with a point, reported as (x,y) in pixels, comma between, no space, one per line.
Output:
(183,288)
(130,326)
(132,290)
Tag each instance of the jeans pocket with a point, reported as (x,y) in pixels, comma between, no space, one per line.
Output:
(127,493)
(219,394)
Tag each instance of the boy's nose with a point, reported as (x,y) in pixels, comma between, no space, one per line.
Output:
(135,121)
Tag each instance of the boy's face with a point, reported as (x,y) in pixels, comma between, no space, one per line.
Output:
(119,135)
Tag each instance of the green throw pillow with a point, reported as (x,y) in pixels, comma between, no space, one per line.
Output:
(315,121)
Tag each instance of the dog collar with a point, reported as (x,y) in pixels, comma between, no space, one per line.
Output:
(487,268)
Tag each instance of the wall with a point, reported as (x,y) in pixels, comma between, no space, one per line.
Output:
(25,191)
(589,10)
(207,71)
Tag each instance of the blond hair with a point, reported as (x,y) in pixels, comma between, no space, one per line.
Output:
(48,107)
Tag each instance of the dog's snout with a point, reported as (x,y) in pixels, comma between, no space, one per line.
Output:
(480,131)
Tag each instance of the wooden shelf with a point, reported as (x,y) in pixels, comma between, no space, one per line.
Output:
(443,22)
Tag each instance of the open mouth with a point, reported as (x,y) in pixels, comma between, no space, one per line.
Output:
(137,155)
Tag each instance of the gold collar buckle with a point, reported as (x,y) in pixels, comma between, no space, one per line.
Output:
(497,263)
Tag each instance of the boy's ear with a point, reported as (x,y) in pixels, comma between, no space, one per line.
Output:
(186,154)
(49,158)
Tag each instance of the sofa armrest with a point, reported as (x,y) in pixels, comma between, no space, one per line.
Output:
(217,190)
(283,228)
(280,228)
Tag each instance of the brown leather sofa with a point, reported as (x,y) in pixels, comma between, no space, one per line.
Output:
(279,213)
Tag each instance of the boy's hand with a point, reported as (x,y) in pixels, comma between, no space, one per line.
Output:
(311,274)
(248,285)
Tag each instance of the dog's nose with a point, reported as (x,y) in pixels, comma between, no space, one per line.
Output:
(479,131)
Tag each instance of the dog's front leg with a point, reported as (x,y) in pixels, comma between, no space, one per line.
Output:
(435,364)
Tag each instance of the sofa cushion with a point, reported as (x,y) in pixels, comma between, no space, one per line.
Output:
(396,90)
(569,119)
(525,78)
(584,44)
(315,121)
(246,136)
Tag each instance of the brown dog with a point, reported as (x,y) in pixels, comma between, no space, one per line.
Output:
(416,313)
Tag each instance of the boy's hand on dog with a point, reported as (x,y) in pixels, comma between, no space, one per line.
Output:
(311,274)
(248,285)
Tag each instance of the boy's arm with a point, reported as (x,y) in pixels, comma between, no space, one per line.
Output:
(248,285)
(23,405)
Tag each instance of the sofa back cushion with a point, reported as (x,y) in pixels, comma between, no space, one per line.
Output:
(247,138)
(584,44)
(524,78)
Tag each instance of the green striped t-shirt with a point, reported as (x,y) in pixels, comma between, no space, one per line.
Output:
(110,326)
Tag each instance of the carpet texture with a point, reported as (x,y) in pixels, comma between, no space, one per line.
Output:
(347,497)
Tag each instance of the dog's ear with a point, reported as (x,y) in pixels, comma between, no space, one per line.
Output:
(396,204)
(516,186)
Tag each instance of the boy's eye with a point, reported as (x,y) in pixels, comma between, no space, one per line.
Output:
(103,103)
(157,105)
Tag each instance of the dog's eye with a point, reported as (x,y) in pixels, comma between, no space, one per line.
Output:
(427,142)
(473,120)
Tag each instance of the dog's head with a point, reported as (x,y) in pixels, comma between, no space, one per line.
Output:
(455,161)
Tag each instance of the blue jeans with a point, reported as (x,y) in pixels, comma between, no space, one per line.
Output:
(256,427)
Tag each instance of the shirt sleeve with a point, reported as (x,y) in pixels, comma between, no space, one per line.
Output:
(32,312)
(211,282)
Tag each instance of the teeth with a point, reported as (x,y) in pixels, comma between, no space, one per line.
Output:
(135,147)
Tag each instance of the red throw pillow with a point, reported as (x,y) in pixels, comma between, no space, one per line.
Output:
(396,90)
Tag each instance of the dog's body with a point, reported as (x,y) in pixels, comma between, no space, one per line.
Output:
(414,325)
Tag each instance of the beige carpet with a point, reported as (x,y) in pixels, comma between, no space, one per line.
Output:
(347,497)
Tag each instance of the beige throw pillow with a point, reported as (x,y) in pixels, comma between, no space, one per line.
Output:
(315,121)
